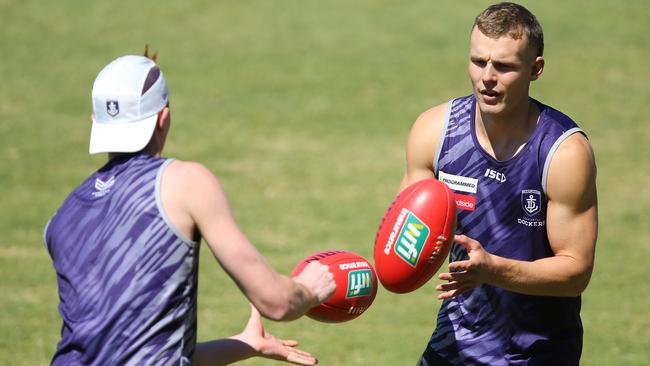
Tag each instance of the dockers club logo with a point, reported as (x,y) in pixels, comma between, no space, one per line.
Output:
(531,201)
(112,108)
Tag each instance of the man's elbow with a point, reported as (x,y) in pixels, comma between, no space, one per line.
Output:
(279,309)
(579,282)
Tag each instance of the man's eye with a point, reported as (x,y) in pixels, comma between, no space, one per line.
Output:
(503,67)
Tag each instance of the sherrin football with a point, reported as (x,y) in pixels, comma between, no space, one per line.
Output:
(356,285)
(406,252)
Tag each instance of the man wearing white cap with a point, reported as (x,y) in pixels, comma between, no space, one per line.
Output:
(125,245)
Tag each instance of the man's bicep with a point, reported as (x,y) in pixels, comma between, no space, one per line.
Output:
(572,216)
(211,211)
(204,201)
(572,233)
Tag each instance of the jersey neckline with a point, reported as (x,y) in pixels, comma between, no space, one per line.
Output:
(532,137)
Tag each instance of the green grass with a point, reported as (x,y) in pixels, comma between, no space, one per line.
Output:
(302,109)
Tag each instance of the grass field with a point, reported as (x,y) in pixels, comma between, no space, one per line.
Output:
(302,109)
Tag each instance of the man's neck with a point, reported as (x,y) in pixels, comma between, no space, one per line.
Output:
(148,150)
(503,136)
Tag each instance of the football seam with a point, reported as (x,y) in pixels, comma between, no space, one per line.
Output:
(449,215)
(424,276)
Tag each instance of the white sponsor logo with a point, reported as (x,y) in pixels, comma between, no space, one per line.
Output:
(465,204)
(458,182)
(395,231)
(353,265)
(531,223)
(465,201)
(103,187)
(495,175)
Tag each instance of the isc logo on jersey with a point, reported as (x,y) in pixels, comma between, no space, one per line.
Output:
(499,177)
(359,283)
(411,239)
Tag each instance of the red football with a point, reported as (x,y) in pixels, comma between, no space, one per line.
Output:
(356,285)
(406,253)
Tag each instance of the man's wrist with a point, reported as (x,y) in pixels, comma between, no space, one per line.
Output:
(311,298)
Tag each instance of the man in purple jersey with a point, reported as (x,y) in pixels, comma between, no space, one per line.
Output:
(125,245)
(524,178)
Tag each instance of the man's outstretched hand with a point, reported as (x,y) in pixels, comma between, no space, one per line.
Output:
(268,346)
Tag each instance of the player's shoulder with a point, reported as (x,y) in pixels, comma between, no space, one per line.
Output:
(184,167)
(575,150)
(432,117)
(572,172)
(573,146)
(428,127)
(189,176)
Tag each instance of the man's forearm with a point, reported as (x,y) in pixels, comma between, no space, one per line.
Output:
(221,352)
(553,276)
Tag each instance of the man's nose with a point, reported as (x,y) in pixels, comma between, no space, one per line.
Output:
(489,74)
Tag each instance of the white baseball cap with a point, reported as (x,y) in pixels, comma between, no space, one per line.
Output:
(127,95)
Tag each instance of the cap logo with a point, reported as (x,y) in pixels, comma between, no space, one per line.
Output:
(112,108)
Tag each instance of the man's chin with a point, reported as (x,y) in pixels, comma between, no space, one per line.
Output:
(488,107)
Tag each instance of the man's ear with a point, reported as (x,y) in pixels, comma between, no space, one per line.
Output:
(538,68)
(163,118)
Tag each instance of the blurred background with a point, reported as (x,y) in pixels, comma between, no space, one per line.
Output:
(302,109)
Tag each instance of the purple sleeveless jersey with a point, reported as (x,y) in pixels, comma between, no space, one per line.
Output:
(127,278)
(502,204)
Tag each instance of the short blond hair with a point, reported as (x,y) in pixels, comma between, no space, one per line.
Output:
(512,20)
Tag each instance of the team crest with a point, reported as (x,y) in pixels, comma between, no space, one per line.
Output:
(531,201)
(112,108)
